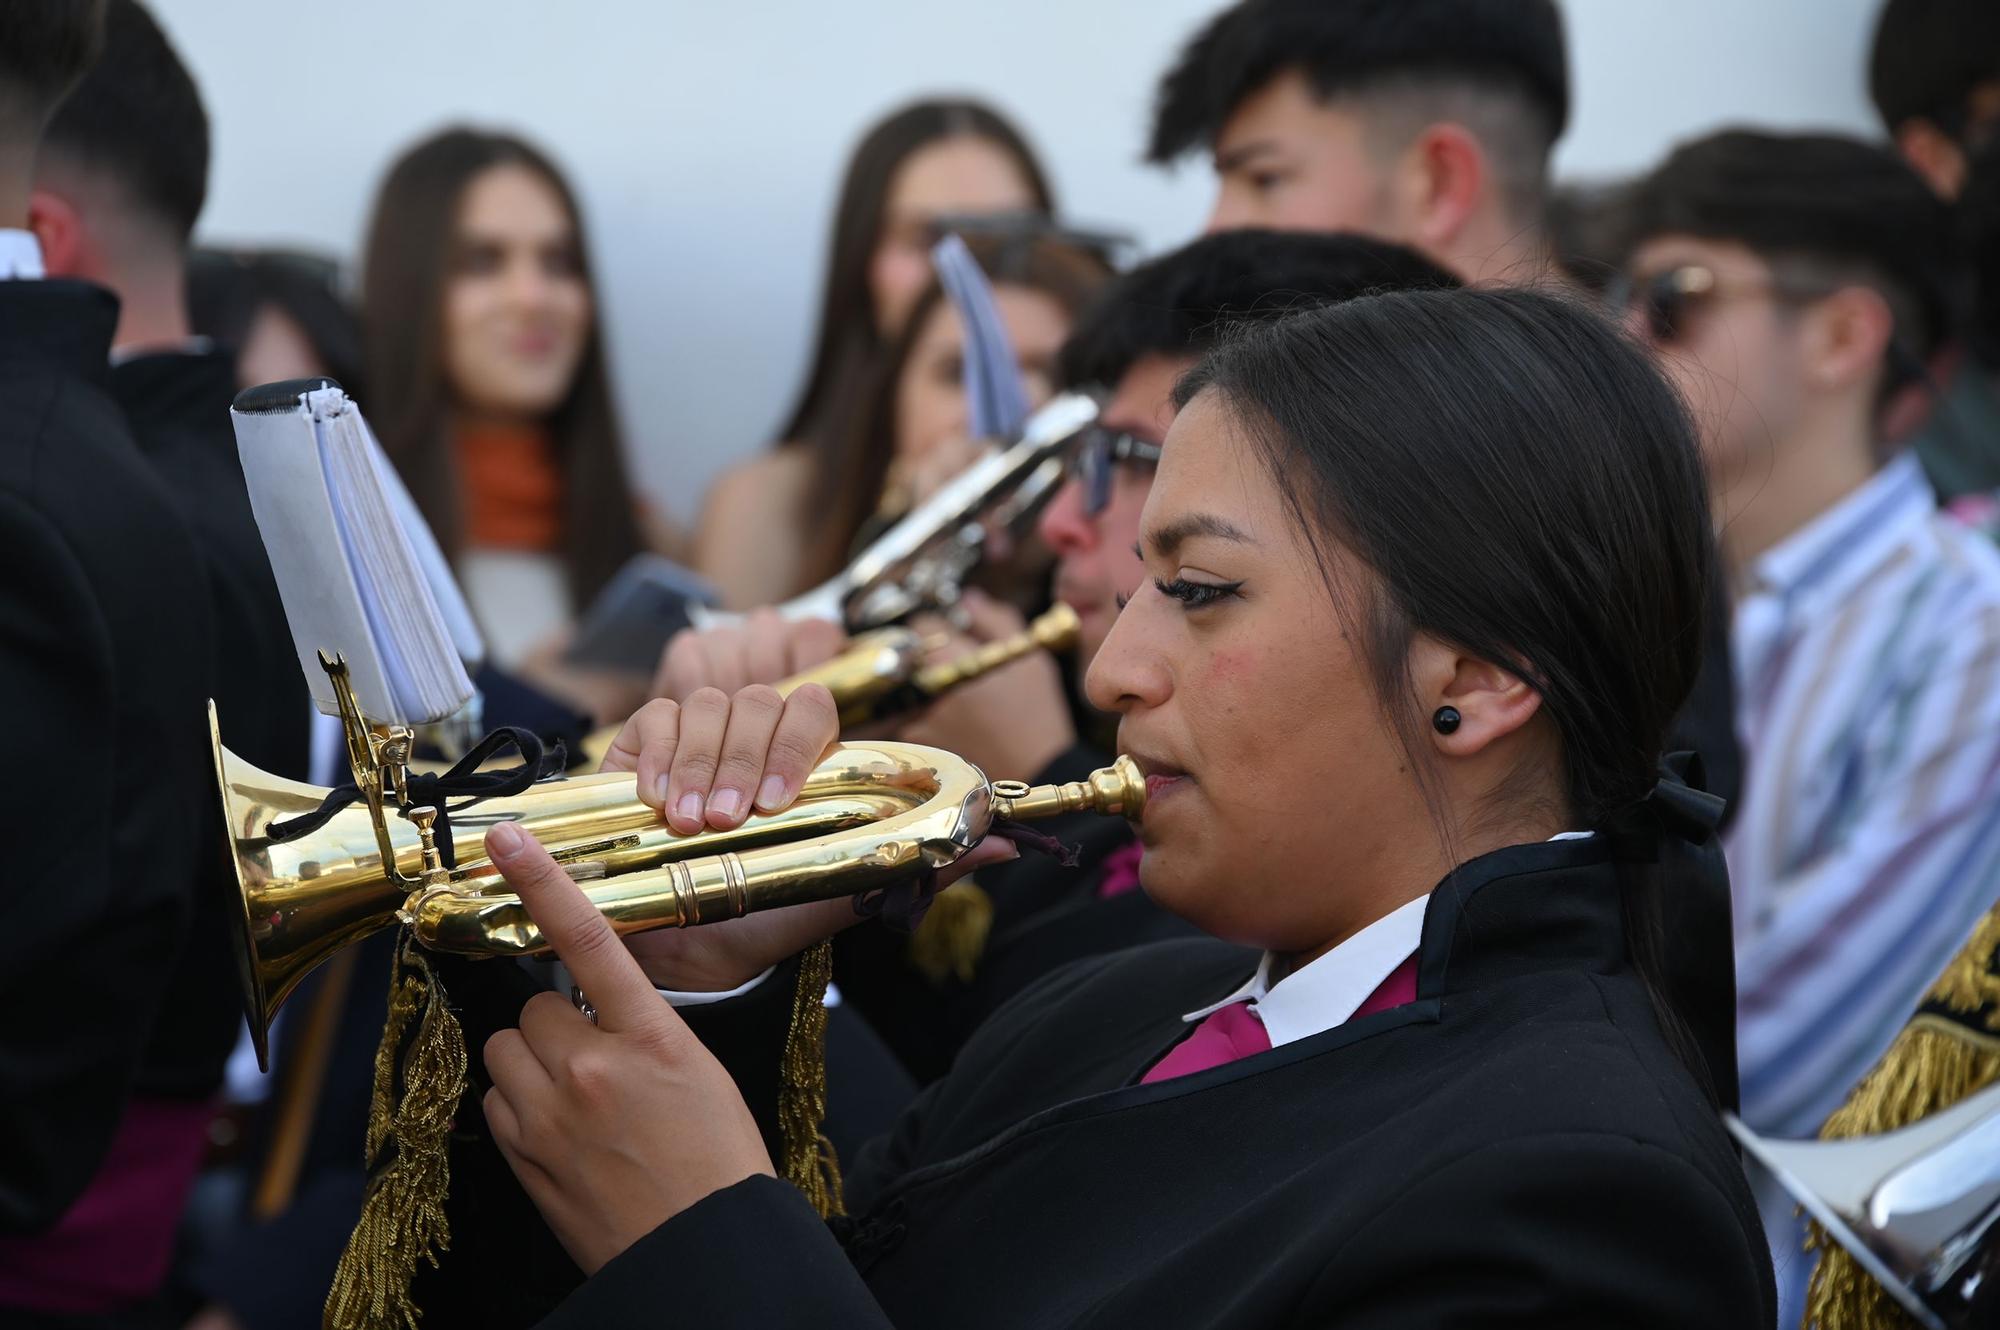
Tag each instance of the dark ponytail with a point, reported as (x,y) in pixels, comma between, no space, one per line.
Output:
(1526,486)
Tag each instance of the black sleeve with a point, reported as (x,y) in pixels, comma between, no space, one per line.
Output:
(74,1034)
(493,1223)
(751,1255)
(1506,1237)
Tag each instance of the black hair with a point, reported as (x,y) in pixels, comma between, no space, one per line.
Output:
(228,289)
(138,118)
(1524,485)
(45,47)
(848,338)
(1511,47)
(1182,302)
(1978,223)
(1587,225)
(1927,58)
(1821,198)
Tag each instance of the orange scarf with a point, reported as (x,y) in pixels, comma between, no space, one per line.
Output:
(512,488)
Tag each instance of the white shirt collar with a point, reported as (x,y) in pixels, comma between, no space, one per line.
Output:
(20,256)
(1327,991)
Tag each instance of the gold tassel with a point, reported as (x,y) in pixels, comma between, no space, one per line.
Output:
(810,1163)
(1934,1062)
(952,936)
(402,1216)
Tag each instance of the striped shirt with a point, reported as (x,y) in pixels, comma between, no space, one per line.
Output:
(1867,842)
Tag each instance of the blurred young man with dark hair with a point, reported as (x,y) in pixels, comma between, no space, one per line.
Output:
(104,652)
(1426,122)
(122,178)
(1794,285)
(1934,75)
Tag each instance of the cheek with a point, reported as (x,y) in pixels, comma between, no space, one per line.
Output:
(895,277)
(573,307)
(931,413)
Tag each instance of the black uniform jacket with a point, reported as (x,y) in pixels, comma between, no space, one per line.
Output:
(1518,1147)
(107,805)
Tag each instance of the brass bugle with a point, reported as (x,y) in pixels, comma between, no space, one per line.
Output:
(869,814)
(881,674)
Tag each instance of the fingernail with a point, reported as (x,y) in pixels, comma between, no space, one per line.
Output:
(660,792)
(690,807)
(726,804)
(504,840)
(771,794)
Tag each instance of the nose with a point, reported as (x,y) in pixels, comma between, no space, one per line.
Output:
(1131,671)
(528,283)
(1064,525)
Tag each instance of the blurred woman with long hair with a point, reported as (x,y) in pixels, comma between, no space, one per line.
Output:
(940,157)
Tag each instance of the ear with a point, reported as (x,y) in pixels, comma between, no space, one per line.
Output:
(1491,702)
(1935,157)
(58,227)
(1845,337)
(1448,177)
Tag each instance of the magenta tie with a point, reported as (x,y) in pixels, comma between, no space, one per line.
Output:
(1235,1032)
(1121,871)
(1225,1036)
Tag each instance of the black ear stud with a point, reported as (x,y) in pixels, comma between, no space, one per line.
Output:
(1445,721)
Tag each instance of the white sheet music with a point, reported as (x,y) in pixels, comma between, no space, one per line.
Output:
(359,571)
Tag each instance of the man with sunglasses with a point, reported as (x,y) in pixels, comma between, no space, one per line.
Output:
(1794,286)
(1149,327)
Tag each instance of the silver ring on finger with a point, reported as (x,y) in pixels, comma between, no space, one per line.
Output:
(582,1004)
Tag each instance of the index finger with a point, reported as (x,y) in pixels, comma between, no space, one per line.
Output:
(581,937)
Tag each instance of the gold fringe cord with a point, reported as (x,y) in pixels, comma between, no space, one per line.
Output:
(952,936)
(402,1216)
(1934,1063)
(809,1163)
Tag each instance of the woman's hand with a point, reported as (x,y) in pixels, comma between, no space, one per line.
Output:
(612,1128)
(710,762)
(707,763)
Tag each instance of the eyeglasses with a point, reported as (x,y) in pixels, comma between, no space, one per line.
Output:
(1098,450)
(1666,300)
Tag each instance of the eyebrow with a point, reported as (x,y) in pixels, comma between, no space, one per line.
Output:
(1243,153)
(1167,538)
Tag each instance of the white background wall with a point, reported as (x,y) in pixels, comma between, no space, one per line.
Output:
(707,138)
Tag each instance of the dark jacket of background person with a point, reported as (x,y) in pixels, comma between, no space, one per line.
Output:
(107,799)
(177,405)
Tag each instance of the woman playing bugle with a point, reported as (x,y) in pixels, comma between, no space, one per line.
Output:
(1426,578)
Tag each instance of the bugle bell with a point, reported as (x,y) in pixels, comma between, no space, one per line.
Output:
(1915,1207)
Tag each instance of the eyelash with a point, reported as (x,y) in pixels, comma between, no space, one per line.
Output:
(1195,595)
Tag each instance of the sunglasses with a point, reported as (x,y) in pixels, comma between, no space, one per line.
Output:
(1665,300)
(1098,452)
(1668,300)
